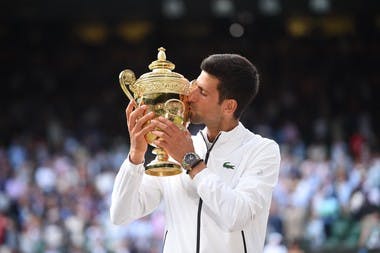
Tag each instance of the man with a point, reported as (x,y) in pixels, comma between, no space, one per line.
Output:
(222,203)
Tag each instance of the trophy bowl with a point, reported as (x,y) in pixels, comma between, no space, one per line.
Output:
(165,92)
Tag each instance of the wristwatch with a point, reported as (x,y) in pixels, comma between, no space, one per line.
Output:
(190,160)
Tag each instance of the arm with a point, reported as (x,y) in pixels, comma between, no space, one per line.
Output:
(237,206)
(134,194)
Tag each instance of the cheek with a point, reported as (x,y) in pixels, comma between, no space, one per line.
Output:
(194,96)
(214,108)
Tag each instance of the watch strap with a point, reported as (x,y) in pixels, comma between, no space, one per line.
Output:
(194,165)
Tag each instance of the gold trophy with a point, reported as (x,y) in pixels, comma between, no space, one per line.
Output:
(165,92)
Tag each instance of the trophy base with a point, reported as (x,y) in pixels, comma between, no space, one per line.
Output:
(163,168)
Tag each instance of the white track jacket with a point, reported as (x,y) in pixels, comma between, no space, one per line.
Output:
(224,208)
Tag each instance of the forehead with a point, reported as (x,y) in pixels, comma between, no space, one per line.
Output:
(207,81)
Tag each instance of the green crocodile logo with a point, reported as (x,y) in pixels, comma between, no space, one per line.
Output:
(228,165)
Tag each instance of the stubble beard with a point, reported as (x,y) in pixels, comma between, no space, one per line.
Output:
(194,118)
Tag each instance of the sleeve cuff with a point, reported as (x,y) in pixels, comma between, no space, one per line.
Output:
(201,176)
(133,168)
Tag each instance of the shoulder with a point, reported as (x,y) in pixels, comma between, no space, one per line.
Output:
(259,146)
(256,139)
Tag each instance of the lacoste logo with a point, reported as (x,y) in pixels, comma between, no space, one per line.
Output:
(228,165)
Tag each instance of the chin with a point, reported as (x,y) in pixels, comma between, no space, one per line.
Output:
(194,118)
(196,121)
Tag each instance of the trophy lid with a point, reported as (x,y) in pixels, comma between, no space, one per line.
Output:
(162,79)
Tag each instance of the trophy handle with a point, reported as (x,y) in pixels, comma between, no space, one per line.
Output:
(126,79)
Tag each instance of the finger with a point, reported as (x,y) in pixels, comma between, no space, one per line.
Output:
(161,134)
(139,122)
(131,106)
(139,137)
(136,114)
(146,129)
(165,121)
(160,143)
(187,134)
(163,127)
(169,125)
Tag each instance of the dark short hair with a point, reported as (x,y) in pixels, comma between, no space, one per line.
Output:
(238,78)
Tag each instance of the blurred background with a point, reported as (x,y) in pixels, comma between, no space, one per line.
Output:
(63,134)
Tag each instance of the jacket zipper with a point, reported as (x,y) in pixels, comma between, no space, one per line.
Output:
(244,244)
(163,244)
(200,199)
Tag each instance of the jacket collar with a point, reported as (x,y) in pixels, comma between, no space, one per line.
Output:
(231,137)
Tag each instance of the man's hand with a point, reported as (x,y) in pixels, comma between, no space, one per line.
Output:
(175,141)
(138,127)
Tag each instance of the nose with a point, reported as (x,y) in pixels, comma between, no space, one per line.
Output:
(193,91)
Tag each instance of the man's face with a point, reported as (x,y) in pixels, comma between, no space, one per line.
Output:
(204,100)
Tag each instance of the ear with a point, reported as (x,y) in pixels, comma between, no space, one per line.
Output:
(230,106)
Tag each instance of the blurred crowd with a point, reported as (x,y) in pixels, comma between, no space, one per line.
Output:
(63,137)
(57,201)
(55,195)
(327,198)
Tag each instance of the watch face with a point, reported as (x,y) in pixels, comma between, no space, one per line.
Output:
(189,160)
(190,157)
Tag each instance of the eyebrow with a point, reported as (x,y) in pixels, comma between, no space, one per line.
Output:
(201,89)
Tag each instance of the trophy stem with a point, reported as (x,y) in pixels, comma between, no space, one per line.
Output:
(161,154)
(161,166)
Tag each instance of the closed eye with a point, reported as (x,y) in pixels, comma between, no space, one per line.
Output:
(202,91)
(194,85)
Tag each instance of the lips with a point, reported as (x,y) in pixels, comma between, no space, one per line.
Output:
(190,111)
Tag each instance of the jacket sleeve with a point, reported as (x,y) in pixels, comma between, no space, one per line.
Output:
(134,194)
(251,197)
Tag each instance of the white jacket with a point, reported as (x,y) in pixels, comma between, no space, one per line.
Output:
(235,188)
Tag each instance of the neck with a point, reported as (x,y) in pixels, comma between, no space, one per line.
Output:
(213,131)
